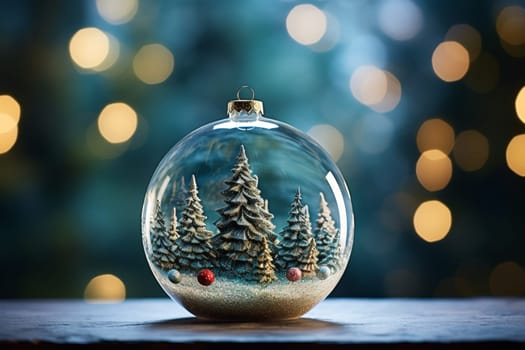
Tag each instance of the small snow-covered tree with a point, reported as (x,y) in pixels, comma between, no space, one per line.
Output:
(289,250)
(308,260)
(174,226)
(297,244)
(326,236)
(194,250)
(273,239)
(162,242)
(174,230)
(338,252)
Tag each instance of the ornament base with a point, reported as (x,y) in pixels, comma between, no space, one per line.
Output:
(236,300)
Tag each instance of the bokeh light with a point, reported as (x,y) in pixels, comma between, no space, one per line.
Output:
(432,221)
(153,64)
(112,56)
(450,61)
(400,19)
(510,25)
(9,113)
(467,36)
(105,288)
(435,134)
(8,139)
(519,104)
(117,122)
(471,150)
(369,85)
(331,37)
(7,123)
(515,154)
(392,96)
(434,170)
(117,11)
(507,279)
(330,138)
(89,47)
(306,24)
(99,147)
(9,118)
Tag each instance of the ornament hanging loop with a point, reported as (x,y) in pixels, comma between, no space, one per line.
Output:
(243,88)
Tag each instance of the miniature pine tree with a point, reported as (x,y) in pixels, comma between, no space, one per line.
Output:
(174,225)
(298,245)
(265,268)
(308,260)
(326,236)
(161,241)
(338,252)
(194,250)
(243,222)
(273,239)
(288,253)
(174,230)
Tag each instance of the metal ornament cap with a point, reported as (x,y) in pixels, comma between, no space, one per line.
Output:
(248,106)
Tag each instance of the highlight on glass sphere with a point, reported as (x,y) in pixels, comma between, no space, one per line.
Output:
(247,218)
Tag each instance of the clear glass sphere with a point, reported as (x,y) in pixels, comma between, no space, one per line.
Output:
(247,218)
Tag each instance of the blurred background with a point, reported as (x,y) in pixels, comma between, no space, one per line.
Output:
(421,103)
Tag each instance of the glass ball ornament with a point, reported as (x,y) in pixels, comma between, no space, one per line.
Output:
(247,218)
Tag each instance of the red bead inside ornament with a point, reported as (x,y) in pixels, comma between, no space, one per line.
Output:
(294,274)
(205,277)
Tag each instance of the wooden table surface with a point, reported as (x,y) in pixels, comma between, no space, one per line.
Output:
(335,323)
